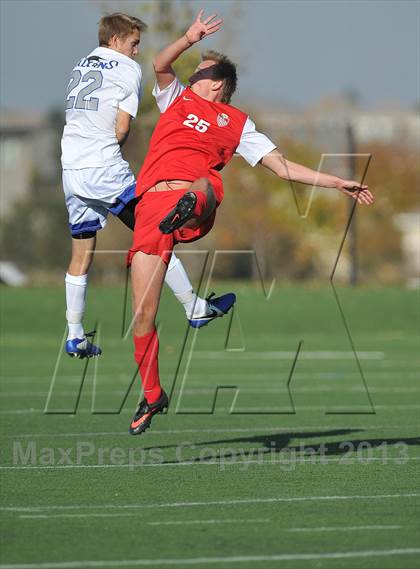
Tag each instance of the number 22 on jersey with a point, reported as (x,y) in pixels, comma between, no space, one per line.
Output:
(81,100)
(194,122)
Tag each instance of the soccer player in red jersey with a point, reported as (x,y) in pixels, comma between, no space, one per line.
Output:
(180,186)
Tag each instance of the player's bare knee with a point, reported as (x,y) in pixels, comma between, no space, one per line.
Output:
(145,315)
(81,257)
(79,264)
(202,185)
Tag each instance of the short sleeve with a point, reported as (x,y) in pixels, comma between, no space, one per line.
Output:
(253,145)
(131,87)
(165,97)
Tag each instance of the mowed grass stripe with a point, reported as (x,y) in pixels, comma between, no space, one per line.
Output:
(339,528)
(270,430)
(379,320)
(212,522)
(139,514)
(225,462)
(313,409)
(228,502)
(215,560)
(268,390)
(195,379)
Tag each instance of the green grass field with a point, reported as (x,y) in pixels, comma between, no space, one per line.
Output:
(300,467)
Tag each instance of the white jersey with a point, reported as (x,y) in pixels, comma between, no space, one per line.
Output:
(99,85)
(253,145)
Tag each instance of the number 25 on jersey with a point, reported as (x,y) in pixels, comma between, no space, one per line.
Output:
(194,122)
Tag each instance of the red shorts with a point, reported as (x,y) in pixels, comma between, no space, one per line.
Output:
(151,209)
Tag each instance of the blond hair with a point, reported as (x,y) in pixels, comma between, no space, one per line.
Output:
(118,24)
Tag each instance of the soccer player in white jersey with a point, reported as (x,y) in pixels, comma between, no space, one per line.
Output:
(103,96)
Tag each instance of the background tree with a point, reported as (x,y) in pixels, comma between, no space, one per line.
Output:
(259,212)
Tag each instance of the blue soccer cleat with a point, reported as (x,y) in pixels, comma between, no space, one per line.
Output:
(81,347)
(217,307)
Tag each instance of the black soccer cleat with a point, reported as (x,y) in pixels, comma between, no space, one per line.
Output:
(181,213)
(145,411)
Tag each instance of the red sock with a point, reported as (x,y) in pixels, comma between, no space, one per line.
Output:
(201,205)
(146,355)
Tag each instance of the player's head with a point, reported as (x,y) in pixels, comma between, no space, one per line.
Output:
(121,33)
(214,77)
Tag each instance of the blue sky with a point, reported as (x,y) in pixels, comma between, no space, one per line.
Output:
(289,51)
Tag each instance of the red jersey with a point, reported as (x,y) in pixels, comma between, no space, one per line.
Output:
(193,138)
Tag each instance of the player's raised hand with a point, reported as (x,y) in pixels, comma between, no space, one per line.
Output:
(202,28)
(356,191)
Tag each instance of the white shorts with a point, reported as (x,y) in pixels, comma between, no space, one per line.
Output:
(91,193)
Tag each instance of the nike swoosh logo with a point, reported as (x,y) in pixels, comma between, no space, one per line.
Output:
(213,314)
(142,419)
(186,99)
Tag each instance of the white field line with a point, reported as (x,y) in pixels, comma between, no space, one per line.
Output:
(85,564)
(336,528)
(238,501)
(169,432)
(315,460)
(163,523)
(312,408)
(218,521)
(211,522)
(288,355)
(339,386)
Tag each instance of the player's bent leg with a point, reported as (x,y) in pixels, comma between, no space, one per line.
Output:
(77,344)
(180,214)
(194,207)
(178,281)
(147,276)
(176,277)
(199,311)
(206,201)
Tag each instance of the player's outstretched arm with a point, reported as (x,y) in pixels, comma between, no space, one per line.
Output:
(294,172)
(198,30)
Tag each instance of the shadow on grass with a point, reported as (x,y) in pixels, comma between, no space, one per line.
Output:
(280,444)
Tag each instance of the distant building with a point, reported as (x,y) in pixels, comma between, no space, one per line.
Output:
(325,125)
(27,148)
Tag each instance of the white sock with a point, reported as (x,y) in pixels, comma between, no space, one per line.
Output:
(75,300)
(180,284)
